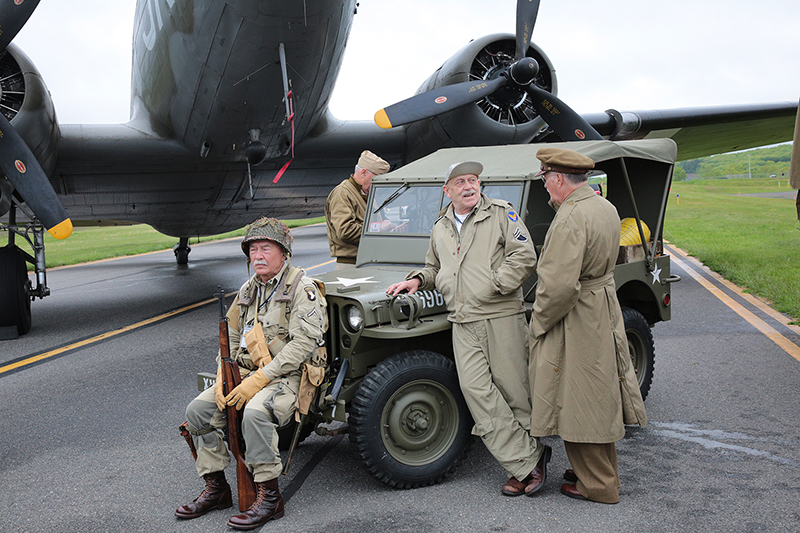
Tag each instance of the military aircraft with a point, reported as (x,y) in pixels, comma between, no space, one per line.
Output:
(230,119)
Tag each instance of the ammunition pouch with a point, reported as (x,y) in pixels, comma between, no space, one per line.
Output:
(312,378)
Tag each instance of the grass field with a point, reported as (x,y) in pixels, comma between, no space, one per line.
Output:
(95,243)
(753,242)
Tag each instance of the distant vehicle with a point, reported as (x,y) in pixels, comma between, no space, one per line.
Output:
(391,373)
(598,188)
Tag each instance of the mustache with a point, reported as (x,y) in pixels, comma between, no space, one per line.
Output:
(260,262)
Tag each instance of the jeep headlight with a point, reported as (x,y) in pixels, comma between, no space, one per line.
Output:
(354,318)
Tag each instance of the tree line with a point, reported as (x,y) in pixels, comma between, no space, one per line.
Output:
(764,162)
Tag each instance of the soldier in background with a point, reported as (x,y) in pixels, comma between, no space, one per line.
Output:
(346,207)
(292,318)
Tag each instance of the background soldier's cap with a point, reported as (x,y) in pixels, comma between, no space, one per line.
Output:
(270,229)
(562,160)
(373,163)
(463,168)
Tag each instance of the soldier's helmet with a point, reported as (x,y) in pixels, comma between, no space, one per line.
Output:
(268,229)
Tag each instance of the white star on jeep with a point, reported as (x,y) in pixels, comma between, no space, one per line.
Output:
(656,275)
(347,282)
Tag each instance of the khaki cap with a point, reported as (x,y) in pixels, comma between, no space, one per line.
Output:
(373,163)
(562,160)
(462,169)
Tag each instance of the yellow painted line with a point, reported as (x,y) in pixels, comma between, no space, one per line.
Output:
(755,301)
(783,343)
(103,336)
(114,333)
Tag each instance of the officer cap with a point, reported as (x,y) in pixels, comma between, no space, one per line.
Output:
(373,163)
(562,160)
(268,229)
(462,169)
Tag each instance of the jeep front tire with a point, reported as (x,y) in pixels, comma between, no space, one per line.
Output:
(409,422)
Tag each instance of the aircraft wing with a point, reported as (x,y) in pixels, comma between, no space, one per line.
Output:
(703,131)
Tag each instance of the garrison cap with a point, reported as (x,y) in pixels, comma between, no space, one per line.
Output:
(373,163)
(463,168)
(562,160)
(268,229)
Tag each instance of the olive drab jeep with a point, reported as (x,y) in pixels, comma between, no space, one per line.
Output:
(391,376)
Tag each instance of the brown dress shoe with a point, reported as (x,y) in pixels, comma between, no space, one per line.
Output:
(569,475)
(539,474)
(568,489)
(268,506)
(216,495)
(515,487)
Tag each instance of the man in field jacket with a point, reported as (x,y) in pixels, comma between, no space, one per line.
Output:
(479,255)
(346,207)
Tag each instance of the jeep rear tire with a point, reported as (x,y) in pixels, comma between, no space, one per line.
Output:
(640,344)
(408,421)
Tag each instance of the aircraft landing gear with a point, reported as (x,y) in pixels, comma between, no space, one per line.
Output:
(182,250)
(15,309)
(16,290)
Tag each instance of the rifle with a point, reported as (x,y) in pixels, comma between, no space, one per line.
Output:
(230,379)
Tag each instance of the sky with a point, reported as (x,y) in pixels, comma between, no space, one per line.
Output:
(622,54)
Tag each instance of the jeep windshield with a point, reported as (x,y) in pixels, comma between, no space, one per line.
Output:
(413,208)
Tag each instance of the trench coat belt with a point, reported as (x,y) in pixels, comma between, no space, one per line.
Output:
(597,283)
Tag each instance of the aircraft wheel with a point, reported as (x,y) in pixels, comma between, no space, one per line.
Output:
(409,422)
(181,251)
(15,300)
(640,344)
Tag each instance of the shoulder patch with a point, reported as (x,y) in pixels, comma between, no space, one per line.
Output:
(512,216)
(520,235)
(311,293)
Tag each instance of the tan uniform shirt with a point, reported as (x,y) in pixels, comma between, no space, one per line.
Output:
(481,270)
(344,216)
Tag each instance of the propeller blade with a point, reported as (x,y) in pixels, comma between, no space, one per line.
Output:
(567,124)
(13,16)
(435,102)
(527,10)
(26,174)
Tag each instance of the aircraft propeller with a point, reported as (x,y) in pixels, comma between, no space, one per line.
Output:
(16,159)
(520,73)
(13,18)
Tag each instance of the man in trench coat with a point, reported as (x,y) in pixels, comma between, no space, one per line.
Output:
(580,370)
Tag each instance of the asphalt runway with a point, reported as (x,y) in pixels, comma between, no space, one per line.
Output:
(93,395)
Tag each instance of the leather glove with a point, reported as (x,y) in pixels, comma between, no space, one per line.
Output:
(219,397)
(247,389)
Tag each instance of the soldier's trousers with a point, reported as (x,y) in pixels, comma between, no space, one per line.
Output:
(492,362)
(272,407)
(596,468)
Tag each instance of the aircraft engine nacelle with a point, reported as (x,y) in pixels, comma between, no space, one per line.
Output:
(504,117)
(26,103)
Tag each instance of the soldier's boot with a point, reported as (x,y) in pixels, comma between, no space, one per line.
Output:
(268,505)
(216,495)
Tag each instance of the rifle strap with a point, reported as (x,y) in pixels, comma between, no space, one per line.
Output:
(284,296)
(198,432)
